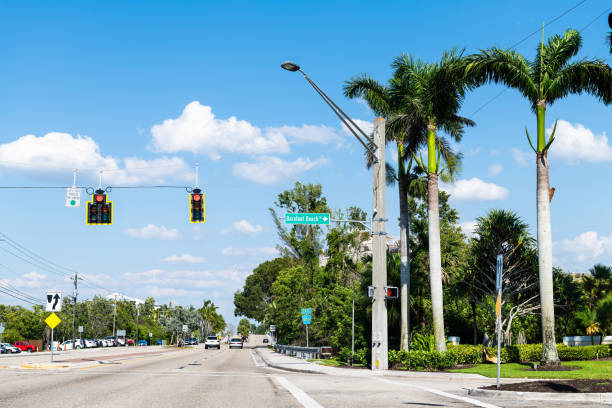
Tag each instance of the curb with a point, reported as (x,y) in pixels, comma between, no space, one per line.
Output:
(279,367)
(601,397)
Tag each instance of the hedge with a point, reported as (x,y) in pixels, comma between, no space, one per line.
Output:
(469,354)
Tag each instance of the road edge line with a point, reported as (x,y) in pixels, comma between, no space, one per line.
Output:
(298,393)
(443,394)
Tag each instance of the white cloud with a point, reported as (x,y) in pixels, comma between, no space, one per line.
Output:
(197,130)
(243,227)
(522,158)
(184,258)
(495,152)
(56,153)
(576,143)
(583,251)
(468,228)
(495,169)
(270,169)
(367,127)
(475,189)
(30,280)
(153,231)
(230,251)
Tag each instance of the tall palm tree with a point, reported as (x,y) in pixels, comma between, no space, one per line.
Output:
(548,78)
(597,284)
(430,97)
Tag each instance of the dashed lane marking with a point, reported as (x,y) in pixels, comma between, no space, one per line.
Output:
(442,394)
(297,393)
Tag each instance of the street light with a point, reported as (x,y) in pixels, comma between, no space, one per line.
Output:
(375,147)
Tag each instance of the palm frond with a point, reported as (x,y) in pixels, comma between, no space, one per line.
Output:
(376,95)
(555,54)
(500,66)
(593,77)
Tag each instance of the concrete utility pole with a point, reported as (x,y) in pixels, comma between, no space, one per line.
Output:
(379,233)
(380,344)
(76,293)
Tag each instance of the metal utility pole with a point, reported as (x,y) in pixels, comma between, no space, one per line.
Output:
(114,316)
(379,245)
(137,315)
(379,253)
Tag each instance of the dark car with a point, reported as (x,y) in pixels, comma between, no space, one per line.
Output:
(265,340)
(192,341)
(3,350)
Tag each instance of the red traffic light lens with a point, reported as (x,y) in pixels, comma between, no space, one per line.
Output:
(99,198)
(196,197)
(389,293)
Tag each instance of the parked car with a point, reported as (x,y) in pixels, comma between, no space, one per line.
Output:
(90,343)
(71,344)
(10,348)
(121,341)
(212,341)
(3,349)
(160,342)
(235,343)
(142,343)
(130,342)
(265,340)
(112,341)
(24,346)
(192,341)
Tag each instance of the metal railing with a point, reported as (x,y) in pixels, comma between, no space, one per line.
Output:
(303,352)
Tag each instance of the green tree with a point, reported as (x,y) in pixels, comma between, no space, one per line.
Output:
(597,284)
(432,94)
(549,77)
(567,300)
(244,327)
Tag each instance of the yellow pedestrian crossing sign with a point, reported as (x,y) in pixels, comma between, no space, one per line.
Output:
(52,320)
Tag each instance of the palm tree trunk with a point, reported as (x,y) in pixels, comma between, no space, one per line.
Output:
(549,347)
(435,262)
(404,265)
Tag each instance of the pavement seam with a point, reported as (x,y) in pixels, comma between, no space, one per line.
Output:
(298,393)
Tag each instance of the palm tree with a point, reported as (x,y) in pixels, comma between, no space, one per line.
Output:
(597,285)
(548,78)
(430,96)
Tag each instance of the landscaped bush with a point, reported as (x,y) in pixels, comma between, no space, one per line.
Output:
(361,356)
(466,353)
(421,360)
(567,353)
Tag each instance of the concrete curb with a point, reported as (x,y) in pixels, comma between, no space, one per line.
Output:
(279,367)
(602,398)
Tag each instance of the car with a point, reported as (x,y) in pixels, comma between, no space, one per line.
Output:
(10,348)
(142,343)
(235,342)
(24,346)
(3,349)
(212,341)
(121,341)
(130,342)
(90,343)
(111,340)
(160,342)
(265,340)
(71,344)
(192,341)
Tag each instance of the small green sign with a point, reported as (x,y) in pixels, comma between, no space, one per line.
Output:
(307,218)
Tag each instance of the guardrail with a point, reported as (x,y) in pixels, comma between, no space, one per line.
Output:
(303,352)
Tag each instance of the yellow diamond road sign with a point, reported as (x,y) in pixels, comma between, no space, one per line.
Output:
(52,320)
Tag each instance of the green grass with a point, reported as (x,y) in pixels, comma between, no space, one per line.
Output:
(331,362)
(588,369)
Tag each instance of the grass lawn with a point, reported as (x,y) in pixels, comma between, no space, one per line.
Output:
(588,369)
(331,362)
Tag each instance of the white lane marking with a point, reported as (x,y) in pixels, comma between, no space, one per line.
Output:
(297,393)
(443,394)
(255,360)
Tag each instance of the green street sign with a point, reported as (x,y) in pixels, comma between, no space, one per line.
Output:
(307,218)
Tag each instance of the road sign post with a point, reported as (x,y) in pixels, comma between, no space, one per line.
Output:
(52,321)
(307,218)
(306,319)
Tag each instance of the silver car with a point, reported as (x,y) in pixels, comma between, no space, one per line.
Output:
(10,348)
(235,343)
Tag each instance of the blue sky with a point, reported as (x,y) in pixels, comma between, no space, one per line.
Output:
(145,90)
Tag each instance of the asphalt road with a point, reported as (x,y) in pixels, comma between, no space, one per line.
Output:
(194,377)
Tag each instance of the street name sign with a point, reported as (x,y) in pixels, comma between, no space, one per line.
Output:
(306,311)
(52,320)
(307,218)
(54,302)
(150,334)
(121,333)
(80,329)
(73,197)
(185,328)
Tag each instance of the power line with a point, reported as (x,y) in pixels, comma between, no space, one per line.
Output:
(84,187)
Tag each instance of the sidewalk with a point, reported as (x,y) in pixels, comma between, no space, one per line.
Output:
(284,362)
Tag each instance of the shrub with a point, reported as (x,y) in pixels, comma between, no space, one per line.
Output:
(567,353)
(421,342)
(344,355)
(361,356)
(466,353)
(421,360)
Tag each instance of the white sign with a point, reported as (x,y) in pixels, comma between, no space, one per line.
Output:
(73,197)
(1,329)
(80,329)
(54,302)
(150,334)
(121,333)
(272,328)
(185,328)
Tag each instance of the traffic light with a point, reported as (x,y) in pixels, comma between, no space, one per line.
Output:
(391,292)
(99,210)
(196,206)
